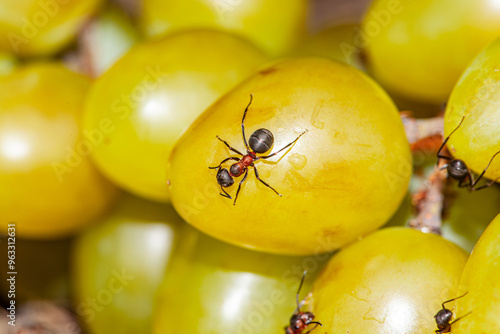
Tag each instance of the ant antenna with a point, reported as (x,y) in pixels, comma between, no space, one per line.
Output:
(445,141)
(298,291)
(453,300)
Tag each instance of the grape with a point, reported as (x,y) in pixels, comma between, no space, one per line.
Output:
(273,26)
(119,264)
(7,63)
(342,179)
(212,287)
(39,28)
(393,281)
(478,280)
(418,49)
(335,43)
(49,186)
(476,96)
(469,215)
(152,94)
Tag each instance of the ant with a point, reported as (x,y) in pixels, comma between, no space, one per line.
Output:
(260,141)
(458,170)
(300,320)
(443,317)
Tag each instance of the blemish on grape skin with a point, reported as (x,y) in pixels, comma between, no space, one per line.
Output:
(298,161)
(268,71)
(315,121)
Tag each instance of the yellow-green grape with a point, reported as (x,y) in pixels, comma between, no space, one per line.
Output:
(342,179)
(418,49)
(110,35)
(118,266)
(391,282)
(482,287)
(138,109)
(469,215)
(49,186)
(273,25)
(41,27)
(337,43)
(476,97)
(215,288)
(7,63)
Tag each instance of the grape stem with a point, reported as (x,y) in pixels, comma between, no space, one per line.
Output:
(428,203)
(423,134)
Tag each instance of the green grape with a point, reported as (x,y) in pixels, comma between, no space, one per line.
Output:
(215,288)
(469,215)
(418,49)
(138,109)
(342,179)
(7,63)
(476,97)
(393,281)
(274,26)
(118,265)
(480,283)
(336,43)
(41,27)
(109,36)
(49,186)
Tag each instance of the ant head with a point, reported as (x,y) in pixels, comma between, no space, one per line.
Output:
(443,317)
(457,169)
(261,141)
(224,178)
(299,321)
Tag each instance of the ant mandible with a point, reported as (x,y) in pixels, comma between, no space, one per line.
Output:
(443,317)
(300,320)
(458,170)
(260,141)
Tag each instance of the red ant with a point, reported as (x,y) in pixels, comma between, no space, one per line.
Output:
(260,141)
(300,320)
(458,170)
(443,317)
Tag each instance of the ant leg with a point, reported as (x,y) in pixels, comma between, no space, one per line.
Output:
(229,147)
(484,171)
(451,323)
(273,154)
(470,177)
(225,193)
(439,155)
(446,302)
(243,122)
(317,324)
(230,158)
(239,187)
(487,184)
(267,185)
